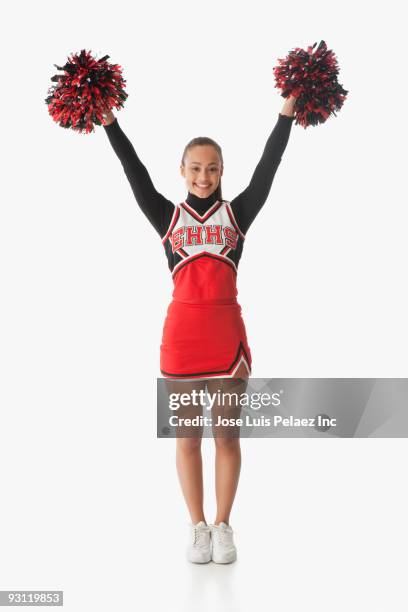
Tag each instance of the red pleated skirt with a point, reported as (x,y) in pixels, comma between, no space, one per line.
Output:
(203,341)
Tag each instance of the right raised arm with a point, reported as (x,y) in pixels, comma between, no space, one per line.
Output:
(154,205)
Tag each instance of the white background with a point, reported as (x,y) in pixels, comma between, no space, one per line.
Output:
(90,501)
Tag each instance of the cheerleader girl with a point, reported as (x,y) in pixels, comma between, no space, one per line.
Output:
(204,342)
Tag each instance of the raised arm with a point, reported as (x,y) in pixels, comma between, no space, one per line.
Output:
(248,203)
(155,206)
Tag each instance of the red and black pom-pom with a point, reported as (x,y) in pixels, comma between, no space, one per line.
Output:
(88,89)
(312,79)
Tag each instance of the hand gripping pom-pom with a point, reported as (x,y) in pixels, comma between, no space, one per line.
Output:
(88,90)
(312,79)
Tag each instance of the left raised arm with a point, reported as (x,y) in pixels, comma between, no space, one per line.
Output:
(248,203)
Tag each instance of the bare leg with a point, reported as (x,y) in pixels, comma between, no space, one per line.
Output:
(227,470)
(188,454)
(190,473)
(227,445)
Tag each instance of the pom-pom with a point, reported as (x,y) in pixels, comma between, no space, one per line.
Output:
(312,79)
(88,89)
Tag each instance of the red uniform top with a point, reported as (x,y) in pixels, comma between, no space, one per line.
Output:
(206,247)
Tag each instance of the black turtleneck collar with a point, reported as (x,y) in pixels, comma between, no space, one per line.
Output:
(203,204)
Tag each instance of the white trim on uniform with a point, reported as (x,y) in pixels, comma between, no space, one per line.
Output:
(166,235)
(196,214)
(228,205)
(202,254)
(242,360)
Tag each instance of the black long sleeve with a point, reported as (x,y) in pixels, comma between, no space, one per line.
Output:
(159,210)
(248,203)
(154,205)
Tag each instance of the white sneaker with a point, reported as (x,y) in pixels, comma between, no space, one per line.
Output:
(223,547)
(199,550)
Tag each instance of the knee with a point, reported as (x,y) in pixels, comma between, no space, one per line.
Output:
(227,443)
(188,445)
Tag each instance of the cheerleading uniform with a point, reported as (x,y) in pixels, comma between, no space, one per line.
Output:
(204,334)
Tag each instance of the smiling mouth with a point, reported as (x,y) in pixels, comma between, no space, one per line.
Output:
(202,186)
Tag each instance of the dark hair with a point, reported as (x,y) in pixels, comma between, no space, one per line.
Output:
(200,141)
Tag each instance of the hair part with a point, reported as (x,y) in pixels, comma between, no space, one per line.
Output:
(199,142)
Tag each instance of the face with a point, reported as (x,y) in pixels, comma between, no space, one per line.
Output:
(202,170)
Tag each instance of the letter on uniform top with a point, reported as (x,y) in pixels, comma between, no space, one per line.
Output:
(231,237)
(213,234)
(177,238)
(194,235)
